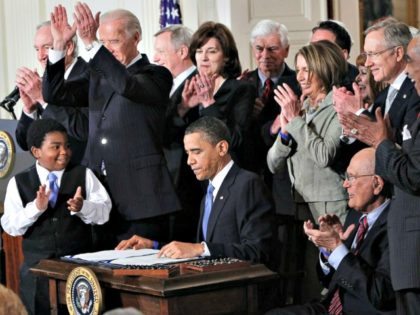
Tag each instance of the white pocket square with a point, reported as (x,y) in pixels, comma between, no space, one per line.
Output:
(406,133)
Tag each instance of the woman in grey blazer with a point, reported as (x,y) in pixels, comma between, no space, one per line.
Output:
(308,144)
(309,138)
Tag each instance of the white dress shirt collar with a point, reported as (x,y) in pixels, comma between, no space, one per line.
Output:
(132,62)
(220,177)
(69,68)
(181,78)
(43,174)
(399,81)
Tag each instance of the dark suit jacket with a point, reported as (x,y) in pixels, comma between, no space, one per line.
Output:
(173,140)
(402,168)
(364,280)
(240,223)
(188,189)
(404,108)
(175,126)
(75,120)
(126,117)
(233,104)
(259,140)
(272,109)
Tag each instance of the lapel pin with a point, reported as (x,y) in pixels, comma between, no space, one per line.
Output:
(221,197)
(405,96)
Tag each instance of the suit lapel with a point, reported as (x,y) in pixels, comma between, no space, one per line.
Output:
(403,95)
(133,69)
(79,69)
(176,95)
(220,200)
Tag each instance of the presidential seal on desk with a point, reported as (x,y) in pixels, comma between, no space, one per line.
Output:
(83,292)
(7,154)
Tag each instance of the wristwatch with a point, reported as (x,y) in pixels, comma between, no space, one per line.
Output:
(91,45)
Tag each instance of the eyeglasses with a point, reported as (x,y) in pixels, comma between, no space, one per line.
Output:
(352,178)
(373,55)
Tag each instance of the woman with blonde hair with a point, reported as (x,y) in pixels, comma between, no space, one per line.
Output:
(309,139)
(308,144)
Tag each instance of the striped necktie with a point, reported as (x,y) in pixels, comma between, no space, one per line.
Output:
(268,91)
(336,308)
(53,186)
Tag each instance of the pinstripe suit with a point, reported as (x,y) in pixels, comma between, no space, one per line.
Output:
(402,168)
(126,117)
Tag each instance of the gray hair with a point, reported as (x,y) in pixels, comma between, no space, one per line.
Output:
(132,23)
(395,33)
(74,38)
(268,27)
(213,129)
(416,48)
(180,35)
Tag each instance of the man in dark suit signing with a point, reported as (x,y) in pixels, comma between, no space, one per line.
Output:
(235,219)
(127,99)
(400,166)
(354,262)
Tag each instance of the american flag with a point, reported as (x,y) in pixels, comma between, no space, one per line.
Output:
(170,13)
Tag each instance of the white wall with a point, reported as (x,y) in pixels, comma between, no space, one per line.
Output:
(18,19)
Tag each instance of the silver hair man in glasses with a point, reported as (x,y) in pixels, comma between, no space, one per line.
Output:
(400,166)
(385,47)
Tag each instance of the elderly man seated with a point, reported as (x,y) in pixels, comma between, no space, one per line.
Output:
(354,262)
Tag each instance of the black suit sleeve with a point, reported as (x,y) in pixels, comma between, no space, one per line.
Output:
(56,90)
(399,167)
(150,86)
(22,130)
(75,120)
(233,105)
(364,281)
(253,212)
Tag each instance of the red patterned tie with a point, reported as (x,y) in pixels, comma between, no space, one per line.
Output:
(336,308)
(268,91)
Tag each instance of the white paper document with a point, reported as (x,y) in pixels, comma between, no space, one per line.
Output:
(109,255)
(135,257)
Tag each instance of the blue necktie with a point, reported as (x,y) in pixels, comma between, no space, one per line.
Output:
(207,208)
(52,184)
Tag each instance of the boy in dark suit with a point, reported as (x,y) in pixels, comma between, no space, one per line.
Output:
(51,205)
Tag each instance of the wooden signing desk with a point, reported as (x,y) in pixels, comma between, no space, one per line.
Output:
(235,291)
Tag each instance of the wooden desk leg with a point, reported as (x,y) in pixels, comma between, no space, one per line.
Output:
(53,297)
(253,305)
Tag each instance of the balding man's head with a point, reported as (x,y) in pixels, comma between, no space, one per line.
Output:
(366,190)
